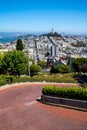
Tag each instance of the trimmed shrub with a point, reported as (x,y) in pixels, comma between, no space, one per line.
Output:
(72,92)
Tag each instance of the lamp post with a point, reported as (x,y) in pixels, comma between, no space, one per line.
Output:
(28,64)
(69,61)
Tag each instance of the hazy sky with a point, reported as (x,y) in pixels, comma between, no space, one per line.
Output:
(43,15)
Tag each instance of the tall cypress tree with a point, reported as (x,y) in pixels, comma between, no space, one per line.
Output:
(19,45)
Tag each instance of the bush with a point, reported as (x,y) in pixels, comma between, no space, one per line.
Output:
(83,68)
(72,92)
(60,69)
(78,62)
(34,69)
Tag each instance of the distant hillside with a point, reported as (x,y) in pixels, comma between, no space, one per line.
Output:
(55,34)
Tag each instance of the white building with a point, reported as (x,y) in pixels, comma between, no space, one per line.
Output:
(54,51)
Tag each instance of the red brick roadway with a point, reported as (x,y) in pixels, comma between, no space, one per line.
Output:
(19,110)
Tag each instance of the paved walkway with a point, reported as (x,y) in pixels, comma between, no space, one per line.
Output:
(19,110)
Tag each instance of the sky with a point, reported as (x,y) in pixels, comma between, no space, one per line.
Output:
(63,16)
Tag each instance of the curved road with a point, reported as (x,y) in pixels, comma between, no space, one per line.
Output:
(19,110)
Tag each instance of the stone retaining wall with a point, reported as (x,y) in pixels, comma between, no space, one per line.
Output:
(78,104)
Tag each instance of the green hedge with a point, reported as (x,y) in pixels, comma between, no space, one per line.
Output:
(72,92)
(59,78)
(9,79)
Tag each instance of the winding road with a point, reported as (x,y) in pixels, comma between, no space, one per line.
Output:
(19,110)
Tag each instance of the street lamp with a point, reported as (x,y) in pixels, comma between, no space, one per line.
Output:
(28,64)
(69,56)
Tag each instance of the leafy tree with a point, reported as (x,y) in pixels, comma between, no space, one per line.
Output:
(60,69)
(15,63)
(19,45)
(34,69)
(1,58)
(78,62)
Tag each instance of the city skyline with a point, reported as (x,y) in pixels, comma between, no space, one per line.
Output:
(40,16)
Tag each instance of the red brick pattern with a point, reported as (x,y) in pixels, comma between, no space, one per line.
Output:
(19,110)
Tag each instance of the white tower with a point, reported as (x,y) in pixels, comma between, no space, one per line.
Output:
(52,31)
(86,46)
